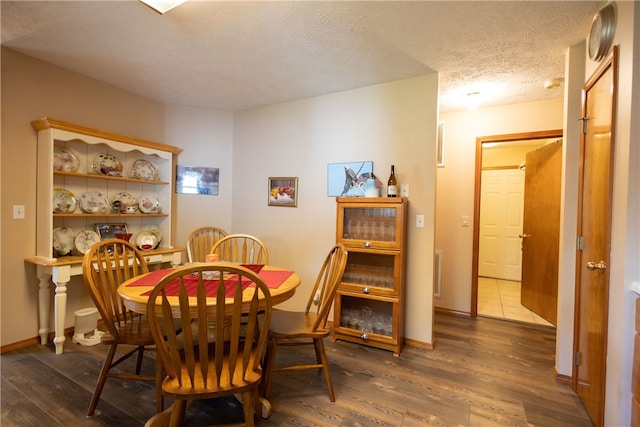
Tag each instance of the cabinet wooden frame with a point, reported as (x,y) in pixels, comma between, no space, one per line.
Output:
(373,231)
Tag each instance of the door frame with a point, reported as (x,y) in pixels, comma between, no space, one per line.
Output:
(513,137)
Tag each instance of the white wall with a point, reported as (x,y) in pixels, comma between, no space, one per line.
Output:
(392,123)
(455,185)
(207,139)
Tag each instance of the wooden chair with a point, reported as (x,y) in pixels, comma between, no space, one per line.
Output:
(201,240)
(290,328)
(105,266)
(241,248)
(226,364)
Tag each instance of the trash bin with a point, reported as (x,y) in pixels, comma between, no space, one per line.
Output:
(86,327)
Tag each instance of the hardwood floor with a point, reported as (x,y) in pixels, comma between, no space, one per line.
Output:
(482,372)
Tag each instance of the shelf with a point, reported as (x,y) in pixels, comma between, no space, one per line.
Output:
(108,215)
(107,177)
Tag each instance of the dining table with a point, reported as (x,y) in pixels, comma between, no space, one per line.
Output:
(282,284)
(135,292)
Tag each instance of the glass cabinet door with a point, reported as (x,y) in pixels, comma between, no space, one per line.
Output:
(372,272)
(369,226)
(366,316)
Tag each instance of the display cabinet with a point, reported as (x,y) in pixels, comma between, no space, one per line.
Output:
(84,178)
(369,303)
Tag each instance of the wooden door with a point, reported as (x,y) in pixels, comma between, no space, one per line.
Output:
(541,231)
(501,224)
(594,239)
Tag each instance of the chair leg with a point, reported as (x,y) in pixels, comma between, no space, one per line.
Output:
(269,365)
(139,359)
(319,346)
(249,407)
(102,378)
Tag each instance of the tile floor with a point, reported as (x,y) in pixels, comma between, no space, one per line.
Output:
(501,299)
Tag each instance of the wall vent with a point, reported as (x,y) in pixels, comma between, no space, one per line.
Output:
(437,273)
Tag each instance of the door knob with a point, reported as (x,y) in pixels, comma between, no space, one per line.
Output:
(522,236)
(596,265)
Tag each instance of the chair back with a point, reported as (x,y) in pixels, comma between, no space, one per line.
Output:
(201,240)
(180,319)
(105,266)
(241,248)
(324,290)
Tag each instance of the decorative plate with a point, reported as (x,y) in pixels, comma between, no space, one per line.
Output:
(107,164)
(63,240)
(146,240)
(124,199)
(64,201)
(93,202)
(143,169)
(85,239)
(149,205)
(155,230)
(65,159)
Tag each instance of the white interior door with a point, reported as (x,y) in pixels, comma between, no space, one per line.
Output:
(501,205)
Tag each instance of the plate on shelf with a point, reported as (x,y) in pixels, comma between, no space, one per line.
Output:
(65,159)
(143,169)
(93,202)
(155,230)
(149,205)
(63,240)
(85,239)
(125,203)
(64,201)
(146,240)
(107,164)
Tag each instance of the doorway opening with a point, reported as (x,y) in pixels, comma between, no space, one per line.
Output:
(498,235)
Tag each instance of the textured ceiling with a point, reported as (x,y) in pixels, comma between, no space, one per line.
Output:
(233,55)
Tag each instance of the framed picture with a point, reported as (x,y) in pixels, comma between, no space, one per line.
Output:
(109,231)
(197,180)
(440,146)
(283,191)
(347,179)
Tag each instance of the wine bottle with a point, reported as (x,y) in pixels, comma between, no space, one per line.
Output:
(392,184)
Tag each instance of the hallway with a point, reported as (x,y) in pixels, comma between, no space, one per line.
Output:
(501,299)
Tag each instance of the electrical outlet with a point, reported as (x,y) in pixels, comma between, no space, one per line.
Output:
(419,221)
(18,211)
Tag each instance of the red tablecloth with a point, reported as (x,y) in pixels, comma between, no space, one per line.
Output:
(273,279)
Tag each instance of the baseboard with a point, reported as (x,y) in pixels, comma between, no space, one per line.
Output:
(450,312)
(68,332)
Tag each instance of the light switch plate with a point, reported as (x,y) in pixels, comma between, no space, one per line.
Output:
(404,190)
(419,221)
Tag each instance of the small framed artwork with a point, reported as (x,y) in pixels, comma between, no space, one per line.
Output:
(109,231)
(347,179)
(197,180)
(283,191)
(440,146)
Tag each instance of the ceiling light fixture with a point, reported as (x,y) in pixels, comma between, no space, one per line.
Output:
(553,83)
(473,101)
(163,6)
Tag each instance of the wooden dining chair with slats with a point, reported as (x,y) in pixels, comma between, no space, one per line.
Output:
(226,364)
(241,248)
(309,327)
(105,266)
(201,240)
